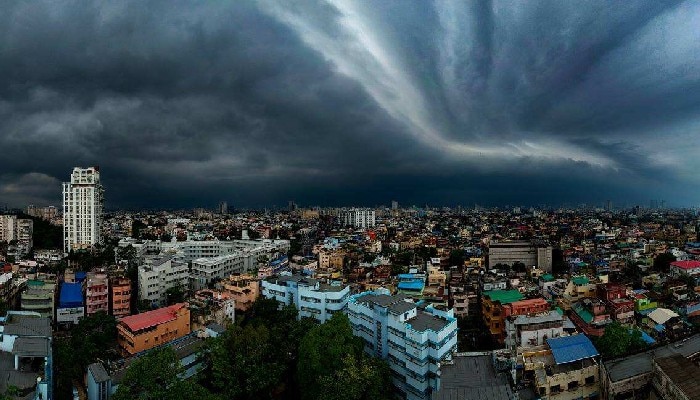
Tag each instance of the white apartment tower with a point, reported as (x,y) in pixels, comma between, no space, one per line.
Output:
(83,202)
(358,218)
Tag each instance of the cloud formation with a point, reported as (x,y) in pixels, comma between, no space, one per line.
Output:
(338,102)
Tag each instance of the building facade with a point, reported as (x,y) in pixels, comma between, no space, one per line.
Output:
(311,297)
(120,289)
(528,253)
(83,203)
(244,289)
(158,275)
(358,218)
(144,331)
(414,339)
(96,293)
(19,230)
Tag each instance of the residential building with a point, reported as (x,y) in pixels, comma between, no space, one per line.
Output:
(526,252)
(568,370)
(244,289)
(358,218)
(39,296)
(415,339)
(590,315)
(676,378)
(45,213)
(18,230)
(411,284)
(311,297)
(208,270)
(26,359)
(71,307)
(472,376)
(103,380)
(144,331)
(159,274)
(577,288)
(120,289)
(96,293)
(527,331)
(497,305)
(83,203)
(691,267)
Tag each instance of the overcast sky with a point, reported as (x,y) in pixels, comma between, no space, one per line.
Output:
(185,104)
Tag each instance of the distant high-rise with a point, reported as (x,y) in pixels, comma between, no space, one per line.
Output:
(394,205)
(83,204)
(223,207)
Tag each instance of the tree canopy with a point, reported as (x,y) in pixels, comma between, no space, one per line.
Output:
(619,340)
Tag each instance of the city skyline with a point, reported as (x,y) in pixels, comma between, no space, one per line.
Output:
(255,103)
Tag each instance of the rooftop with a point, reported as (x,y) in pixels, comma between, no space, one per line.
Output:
(691,264)
(683,373)
(148,319)
(27,325)
(71,295)
(551,316)
(504,296)
(567,349)
(424,321)
(472,378)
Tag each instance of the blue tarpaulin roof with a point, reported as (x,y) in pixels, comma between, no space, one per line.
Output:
(80,276)
(406,276)
(71,296)
(571,348)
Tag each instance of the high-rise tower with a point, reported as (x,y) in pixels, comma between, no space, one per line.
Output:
(83,204)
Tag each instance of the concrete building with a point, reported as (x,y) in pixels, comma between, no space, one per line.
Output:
(136,333)
(19,230)
(45,213)
(528,253)
(83,203)
(71,307)
(26,358)
(415,339)
(566,369)
(159,274)
(527,331)
(103,380)
(96,293)
(244,289)
(120,290)
(473,376)
(497,305)
(676,378)
(358,218)
(39,296)
(207,270)
(311,297)
(691,268)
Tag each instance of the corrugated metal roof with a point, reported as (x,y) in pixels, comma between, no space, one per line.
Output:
(571,348)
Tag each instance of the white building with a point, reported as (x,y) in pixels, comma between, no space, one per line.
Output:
(83,202)
(160,274)
(311,297)
(413,338)
(206,270)
(358,218)
(19,229)
(528,331)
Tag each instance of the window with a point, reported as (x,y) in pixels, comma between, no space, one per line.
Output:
(590,380)
(573,385)
(554,389)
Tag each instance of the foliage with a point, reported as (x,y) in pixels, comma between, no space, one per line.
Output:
(662,262)
(332,364)
(619,340)
(175,295)
(156,376)
(91,339)
(257,358)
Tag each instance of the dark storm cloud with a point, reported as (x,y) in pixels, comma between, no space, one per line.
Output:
(188,103)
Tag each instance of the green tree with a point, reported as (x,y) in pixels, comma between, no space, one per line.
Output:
(157,375)
(619,340)
(175,295)
(332,363)
(360,378)
(662,262)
